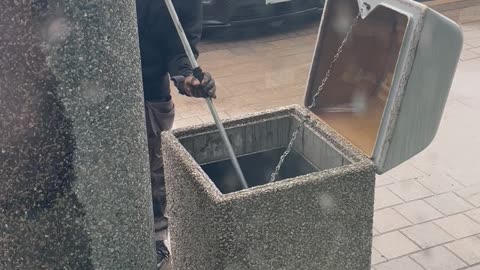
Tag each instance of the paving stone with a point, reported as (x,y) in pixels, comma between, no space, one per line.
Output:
(467,46)
(459,225)
(473,42)
(427,235)
(405,171)
(474,214)
(467,176)
(427,162)
(196,109)
(394,244)
(475,50)
(474,34)
(471,194)
(476,267)
(467,28)
(438,258)
(404,263)
(410,190)
(449,203)
(383,180)
(207,118)
(187,122)
(377,257)
(468,249)
(385,198)
(388,219)
(440,183)
(468,54)
(418,211)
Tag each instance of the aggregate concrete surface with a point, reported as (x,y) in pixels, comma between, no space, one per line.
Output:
(317,221)
(73,160)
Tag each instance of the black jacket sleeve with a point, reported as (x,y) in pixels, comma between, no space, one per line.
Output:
(191,16)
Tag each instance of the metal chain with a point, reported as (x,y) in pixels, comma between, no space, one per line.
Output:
(274,175)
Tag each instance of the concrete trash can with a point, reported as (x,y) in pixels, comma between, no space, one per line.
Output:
(381,106)
(321,220)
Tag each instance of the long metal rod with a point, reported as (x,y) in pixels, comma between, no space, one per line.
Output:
(224,136)
(213,111)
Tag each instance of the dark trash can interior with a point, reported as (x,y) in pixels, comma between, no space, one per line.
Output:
(259,146)
(257,169)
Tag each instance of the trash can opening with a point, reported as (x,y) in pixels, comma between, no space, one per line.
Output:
(259,145)
(257,168)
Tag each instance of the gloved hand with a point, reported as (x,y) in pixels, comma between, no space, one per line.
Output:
(191,86)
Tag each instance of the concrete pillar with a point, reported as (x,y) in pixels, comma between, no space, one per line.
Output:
(75,188)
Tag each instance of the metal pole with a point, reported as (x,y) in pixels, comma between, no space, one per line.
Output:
(216,118)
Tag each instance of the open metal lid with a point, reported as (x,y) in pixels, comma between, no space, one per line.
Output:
(387,91)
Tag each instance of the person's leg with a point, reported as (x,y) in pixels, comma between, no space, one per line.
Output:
(159,117)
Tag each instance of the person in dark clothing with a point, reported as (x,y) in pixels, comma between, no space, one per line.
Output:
(163,56)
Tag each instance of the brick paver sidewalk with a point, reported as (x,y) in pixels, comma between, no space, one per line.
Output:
(428,209)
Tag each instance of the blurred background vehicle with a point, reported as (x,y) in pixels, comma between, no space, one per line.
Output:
(227,13)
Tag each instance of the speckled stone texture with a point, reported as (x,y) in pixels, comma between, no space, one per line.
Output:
(75,188)
(319,221)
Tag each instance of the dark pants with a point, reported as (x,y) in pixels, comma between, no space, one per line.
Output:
(159,117)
